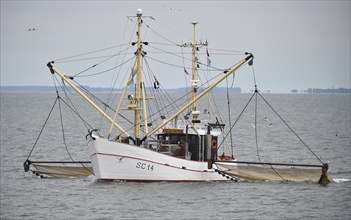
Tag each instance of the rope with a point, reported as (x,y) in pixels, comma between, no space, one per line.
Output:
(173,29)
(277,173)
(111,99)
(102,102)
(290,128)
(93,66)
(75,111)
(256,133)
(42,129)
(63,131)
(101,72)
(231,128)
(229,115)
(161,36)
(82,54)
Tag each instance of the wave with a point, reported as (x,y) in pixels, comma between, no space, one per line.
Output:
(341,180)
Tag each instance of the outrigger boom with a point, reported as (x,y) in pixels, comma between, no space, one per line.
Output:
(237,66)
(227,73)
(63,77)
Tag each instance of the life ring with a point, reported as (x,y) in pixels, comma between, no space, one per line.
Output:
(214,144)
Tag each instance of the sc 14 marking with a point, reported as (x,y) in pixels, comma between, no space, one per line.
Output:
(144,166)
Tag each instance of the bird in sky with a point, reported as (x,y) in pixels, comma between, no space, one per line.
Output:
(32,29)
(172,8)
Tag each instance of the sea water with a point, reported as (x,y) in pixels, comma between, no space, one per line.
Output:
(321,121)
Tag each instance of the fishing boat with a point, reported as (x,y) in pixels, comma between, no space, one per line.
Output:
(180,147)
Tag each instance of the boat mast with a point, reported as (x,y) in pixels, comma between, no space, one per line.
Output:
(140,99)
(195,81)
(194,76)
(225,75)
(139,82)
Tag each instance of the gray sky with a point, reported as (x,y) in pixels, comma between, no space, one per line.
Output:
(296,44)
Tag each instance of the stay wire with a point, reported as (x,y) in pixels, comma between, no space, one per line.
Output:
(277,173)
(183,58)
(98,99)
(229,115)
(213,105)
(42,129)
(86,53)
(162,88)
(76,112)
(320,160)
(102,61)
(63,131)
(186,94)
(111,99)
(72,106)
(161,36)
(64,88)
(154,92)
(172,29)
(101,72)
(231,128)
(185,79)
(256,133)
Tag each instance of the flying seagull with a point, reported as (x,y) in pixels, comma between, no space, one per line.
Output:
(32,29)
(172,8)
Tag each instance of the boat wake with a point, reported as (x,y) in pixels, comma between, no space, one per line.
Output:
(341,180)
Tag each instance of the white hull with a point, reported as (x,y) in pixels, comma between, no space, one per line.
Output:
(114,161)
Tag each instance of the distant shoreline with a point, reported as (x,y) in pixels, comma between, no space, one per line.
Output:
(323,91)
(217,90)
(99,89)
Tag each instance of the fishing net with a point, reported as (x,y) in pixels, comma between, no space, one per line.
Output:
(62,171)
(268,173)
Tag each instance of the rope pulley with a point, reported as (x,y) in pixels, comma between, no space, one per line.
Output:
(156,84)
(90,133)
(26,165)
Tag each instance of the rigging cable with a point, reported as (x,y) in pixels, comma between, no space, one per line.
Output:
(82,54)
(231,128)
(214,107)
(72,106)
(172,102)
(255,125)
(104,71)
(160,110)
(183,58)
(99,100)
(161,36)
(173,29)
(181,98)
(111,100)
(102,61)
(63,131)
(158,104)
(116,76)
(185,79)
(211,98)
(42,129)
(320,160)
(153,91)
(229,114)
